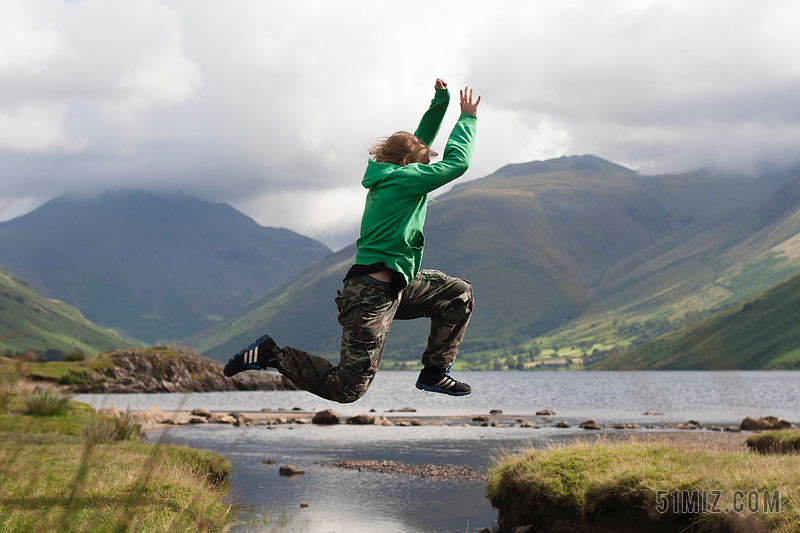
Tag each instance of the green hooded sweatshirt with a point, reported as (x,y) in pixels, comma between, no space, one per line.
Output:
(394,214)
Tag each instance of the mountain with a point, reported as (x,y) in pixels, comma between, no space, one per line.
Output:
(537,240)
(29,321)
(154,268)
(761,333)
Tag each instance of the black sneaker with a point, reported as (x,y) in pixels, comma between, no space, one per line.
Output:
(260,355)
(441,382)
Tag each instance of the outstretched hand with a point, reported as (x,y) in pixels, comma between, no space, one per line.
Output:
(440,84)
(466,102)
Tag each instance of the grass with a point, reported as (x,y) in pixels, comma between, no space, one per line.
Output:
(75,471)
(592,482)
(58,483)
(780,442)
(47,402)
(762,332)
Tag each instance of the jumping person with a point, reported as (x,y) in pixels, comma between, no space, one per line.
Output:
(385,281)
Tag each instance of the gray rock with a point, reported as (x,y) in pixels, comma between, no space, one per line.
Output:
(109,412)
(326,417)
(198,420)
(589,424)
(765,423)
(150,415)
(563,424)
(290,470)
(361,419)
(205,413)
(733,429)
(545,412)
(495,412)
(692,424)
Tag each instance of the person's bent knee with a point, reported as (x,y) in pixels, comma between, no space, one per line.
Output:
(352,386)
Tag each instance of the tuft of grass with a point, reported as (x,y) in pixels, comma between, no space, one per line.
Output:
(9,379)
(585,482)
(47,402)
(105,430)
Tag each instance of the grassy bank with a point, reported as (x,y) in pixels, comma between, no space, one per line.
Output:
(780,442)
(57,474)
(646,486)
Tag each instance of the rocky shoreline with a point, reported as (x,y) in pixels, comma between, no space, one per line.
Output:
(166,369)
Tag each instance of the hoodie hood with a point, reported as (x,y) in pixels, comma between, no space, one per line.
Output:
(376,172)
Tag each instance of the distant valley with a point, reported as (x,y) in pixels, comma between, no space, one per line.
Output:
(574,261)
(567,257)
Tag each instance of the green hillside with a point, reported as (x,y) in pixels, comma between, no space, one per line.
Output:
(29,321)
(155,268)
(536,240)
(761,333)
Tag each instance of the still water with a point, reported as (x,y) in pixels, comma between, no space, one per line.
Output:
(351,501)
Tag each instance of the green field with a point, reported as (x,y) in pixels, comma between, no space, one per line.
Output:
(32,322)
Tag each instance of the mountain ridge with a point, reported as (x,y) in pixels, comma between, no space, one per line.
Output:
(155,268)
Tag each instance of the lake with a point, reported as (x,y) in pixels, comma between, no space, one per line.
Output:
(351,501)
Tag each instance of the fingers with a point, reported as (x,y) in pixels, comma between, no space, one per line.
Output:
(466,96)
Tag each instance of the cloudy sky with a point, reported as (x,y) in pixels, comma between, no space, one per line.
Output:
(269,106)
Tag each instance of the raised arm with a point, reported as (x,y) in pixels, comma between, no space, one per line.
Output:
(432,119)
(457,153)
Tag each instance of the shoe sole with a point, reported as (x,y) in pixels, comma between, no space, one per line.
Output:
(428,388)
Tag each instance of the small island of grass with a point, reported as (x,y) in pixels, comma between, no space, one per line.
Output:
(649,486)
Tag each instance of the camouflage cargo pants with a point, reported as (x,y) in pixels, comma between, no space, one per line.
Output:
(366,312)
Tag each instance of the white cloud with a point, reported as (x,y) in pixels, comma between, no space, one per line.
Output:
(31,128)
(27,45)
(278,100)
(325,214)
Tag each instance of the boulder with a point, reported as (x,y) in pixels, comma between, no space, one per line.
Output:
(361,419)
(545,412)
(403,410)
(109,412)
(563,424)
(715,428)
(221,419)
(151,415)
(495,412)
(480,419)
(326,417)
(239,419)
(198,420)
(589,424)
(765,423)
(528,425)
(733,429)
(290,470)
(692,424)
(383,421)
(205,413)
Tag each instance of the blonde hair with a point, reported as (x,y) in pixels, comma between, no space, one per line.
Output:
(399,147)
